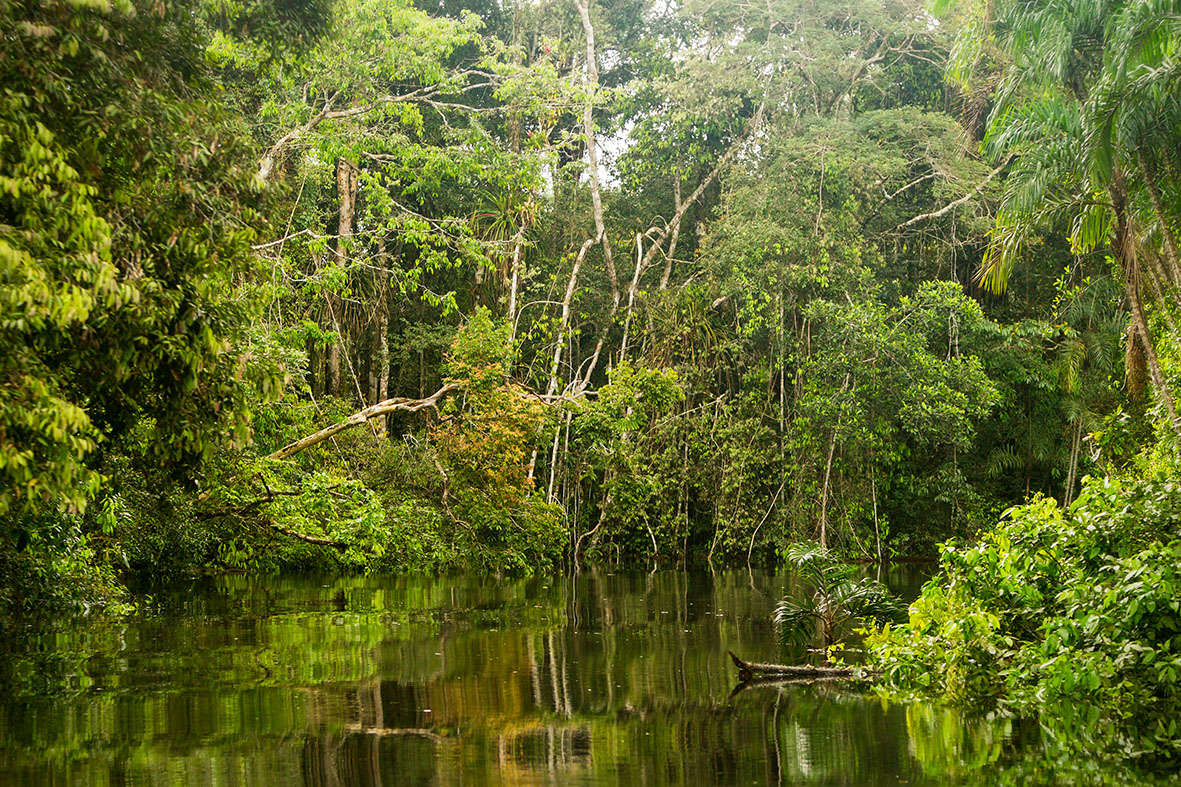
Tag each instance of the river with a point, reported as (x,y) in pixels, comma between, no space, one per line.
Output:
(600,678)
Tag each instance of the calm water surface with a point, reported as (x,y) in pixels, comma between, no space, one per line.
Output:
(596,679)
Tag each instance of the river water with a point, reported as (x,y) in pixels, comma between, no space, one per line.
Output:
(596,679)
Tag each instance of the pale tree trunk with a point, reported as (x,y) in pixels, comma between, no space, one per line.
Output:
(553,461)
(514,118)
(518,258)
(675,235)
(592,154)
(563,330)
(564,323)
(632,292)
(346,192)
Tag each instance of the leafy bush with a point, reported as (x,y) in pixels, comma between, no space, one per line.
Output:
(53,568)
(1055,609)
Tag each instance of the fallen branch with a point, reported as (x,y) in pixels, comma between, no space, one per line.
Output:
(363,416)
(749,670)
(382,732)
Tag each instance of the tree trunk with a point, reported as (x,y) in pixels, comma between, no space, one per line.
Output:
(1125,250)
(563,329)
(824,493)
(564,324)
(832,445)
(675,235)
(1169,242)
(592,154)
(332,365)
(382,334)
(346,192)
(1076,440)
(383,326)
(632,292)
(518,255)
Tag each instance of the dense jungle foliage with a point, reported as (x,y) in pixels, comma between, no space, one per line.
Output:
(373,286)
(1072,613)
(368,285)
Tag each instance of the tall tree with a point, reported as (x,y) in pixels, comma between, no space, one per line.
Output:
(1077,85)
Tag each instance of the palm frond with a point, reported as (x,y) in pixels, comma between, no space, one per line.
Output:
(811,561)
(795,624)
(1001,461)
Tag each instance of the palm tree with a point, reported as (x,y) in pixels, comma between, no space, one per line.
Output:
(837,597)
(1088,105)
(1093,322)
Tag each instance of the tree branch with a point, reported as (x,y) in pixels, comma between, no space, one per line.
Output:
(422,94)
(358,418)
(949,207)
(271,496)
(267,165)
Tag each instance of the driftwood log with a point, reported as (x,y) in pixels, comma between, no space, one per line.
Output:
(748,670)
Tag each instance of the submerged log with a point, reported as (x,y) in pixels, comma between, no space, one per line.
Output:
(748,670)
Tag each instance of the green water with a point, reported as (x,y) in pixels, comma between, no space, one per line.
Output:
(596,679)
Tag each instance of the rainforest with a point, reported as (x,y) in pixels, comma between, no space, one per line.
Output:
(472,314)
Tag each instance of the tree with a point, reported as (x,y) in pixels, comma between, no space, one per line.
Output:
(836,597)
(126,202)
(1079,86)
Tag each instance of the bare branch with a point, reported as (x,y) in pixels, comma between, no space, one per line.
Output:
(949,207)
(358,418)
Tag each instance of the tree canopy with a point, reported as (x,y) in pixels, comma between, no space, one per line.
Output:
(517,285)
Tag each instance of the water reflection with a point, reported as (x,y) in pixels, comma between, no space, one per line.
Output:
(597,679)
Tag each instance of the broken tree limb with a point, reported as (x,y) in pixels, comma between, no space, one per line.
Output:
(362,417)
(748,670)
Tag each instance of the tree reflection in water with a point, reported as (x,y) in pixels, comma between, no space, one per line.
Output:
(595,679)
